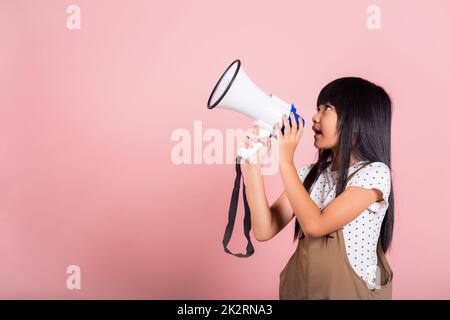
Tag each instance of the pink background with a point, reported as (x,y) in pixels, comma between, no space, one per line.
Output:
(86,118)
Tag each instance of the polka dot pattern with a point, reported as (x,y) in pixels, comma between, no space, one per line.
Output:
(361,234)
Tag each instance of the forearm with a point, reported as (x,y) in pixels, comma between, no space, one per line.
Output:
(305,209)
(260,213)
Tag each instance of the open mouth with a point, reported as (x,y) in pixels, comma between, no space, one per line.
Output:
(317,131)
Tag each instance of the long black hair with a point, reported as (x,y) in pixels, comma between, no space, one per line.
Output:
(364,124)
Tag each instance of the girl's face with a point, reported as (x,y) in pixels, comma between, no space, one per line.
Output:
(325,125)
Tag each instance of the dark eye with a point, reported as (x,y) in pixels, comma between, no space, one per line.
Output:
(326,107)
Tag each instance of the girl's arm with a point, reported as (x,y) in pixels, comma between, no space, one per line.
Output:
(314,222)
(339,212)
(266,221)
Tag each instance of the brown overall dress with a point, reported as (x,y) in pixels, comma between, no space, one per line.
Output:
(320,269)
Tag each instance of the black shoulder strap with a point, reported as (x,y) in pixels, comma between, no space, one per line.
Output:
(232,216)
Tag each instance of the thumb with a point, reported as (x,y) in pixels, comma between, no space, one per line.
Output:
(266,141)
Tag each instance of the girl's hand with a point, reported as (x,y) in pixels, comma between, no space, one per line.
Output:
(249,140)
(288,142)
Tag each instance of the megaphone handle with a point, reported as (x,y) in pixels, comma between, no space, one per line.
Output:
(245,153)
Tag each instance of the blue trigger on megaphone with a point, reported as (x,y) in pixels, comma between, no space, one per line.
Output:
(294,111)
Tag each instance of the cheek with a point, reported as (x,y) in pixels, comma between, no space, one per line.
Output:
(330,129)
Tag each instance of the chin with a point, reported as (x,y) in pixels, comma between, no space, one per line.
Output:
(322,144)
(319,145)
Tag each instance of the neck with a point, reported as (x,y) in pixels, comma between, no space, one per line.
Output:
(335,164)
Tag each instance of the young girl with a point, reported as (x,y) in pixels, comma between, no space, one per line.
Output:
(343,204)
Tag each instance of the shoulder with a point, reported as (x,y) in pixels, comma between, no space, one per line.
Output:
(303,170)
(374,170)
(378,165)
(376,175)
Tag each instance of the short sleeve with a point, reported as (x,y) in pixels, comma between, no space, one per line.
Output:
(304,170)
(376,175)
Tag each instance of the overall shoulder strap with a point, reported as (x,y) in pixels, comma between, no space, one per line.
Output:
(351,176)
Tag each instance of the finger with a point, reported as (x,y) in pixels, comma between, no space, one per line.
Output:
(287,127)
(278,130)
(298,134)
(268,143)
(252,135)
(300,130)
(242,143)
(248,143)
(265,141)
(294,124)
(256,129)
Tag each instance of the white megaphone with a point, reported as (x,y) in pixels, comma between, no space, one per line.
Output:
(236,91)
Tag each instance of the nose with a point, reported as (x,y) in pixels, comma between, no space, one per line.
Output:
(315,118)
